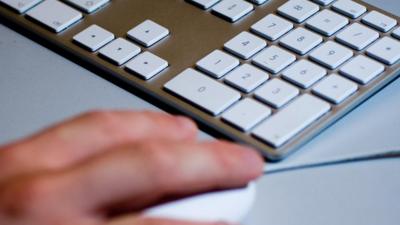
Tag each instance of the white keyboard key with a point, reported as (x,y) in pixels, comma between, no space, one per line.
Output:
(233,10)
(245,45)
(297,116)
(331,54)
(357,36)
(94,37)
(148,33)
(217,63)
(362,69)
(323,2)
(246,78)
(386,50)
(205,4)
(55,15)
(327,22)
(276,93)
(246,114)
(301,40)
(335,88)
(205,92)
(396,33)
(88,6)
(349,8)
(379,21)
(274,59)
(272,27)
(119,51)
(298,10)
(304,73)
(21,6)
(146,65)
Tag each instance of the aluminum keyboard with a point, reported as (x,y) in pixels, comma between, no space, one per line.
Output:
(271,74)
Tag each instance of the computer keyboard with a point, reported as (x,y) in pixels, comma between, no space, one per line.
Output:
(268,73)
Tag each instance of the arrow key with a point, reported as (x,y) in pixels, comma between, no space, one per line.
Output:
(148,33)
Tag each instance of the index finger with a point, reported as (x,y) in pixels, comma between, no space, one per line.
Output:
(141,176)
(90,134)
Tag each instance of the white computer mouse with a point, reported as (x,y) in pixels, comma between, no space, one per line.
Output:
(229,206)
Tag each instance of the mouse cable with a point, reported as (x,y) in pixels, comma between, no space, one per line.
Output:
(387,155)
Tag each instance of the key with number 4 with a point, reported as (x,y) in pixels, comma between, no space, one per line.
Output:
(245,45)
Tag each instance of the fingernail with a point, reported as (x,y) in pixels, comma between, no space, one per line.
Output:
(186,123)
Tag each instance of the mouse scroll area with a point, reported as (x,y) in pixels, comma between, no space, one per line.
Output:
(229,206)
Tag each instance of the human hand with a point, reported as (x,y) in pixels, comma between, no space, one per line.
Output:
(104,168)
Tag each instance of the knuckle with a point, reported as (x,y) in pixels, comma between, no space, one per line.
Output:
(25,197)
(11,157)
(108,124)
(159,156)
(102,117)
(165,161)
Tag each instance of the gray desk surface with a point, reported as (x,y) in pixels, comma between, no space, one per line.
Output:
(38,88)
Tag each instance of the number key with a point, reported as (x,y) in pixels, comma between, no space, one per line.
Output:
(246,78)
(276,93)
(217,63)
(272,27)
(304,73)
(274,59)
(205,92)
(331,54)
(298,10)
(245,45)
(301,40)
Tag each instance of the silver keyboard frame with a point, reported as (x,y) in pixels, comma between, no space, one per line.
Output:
(194,34)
